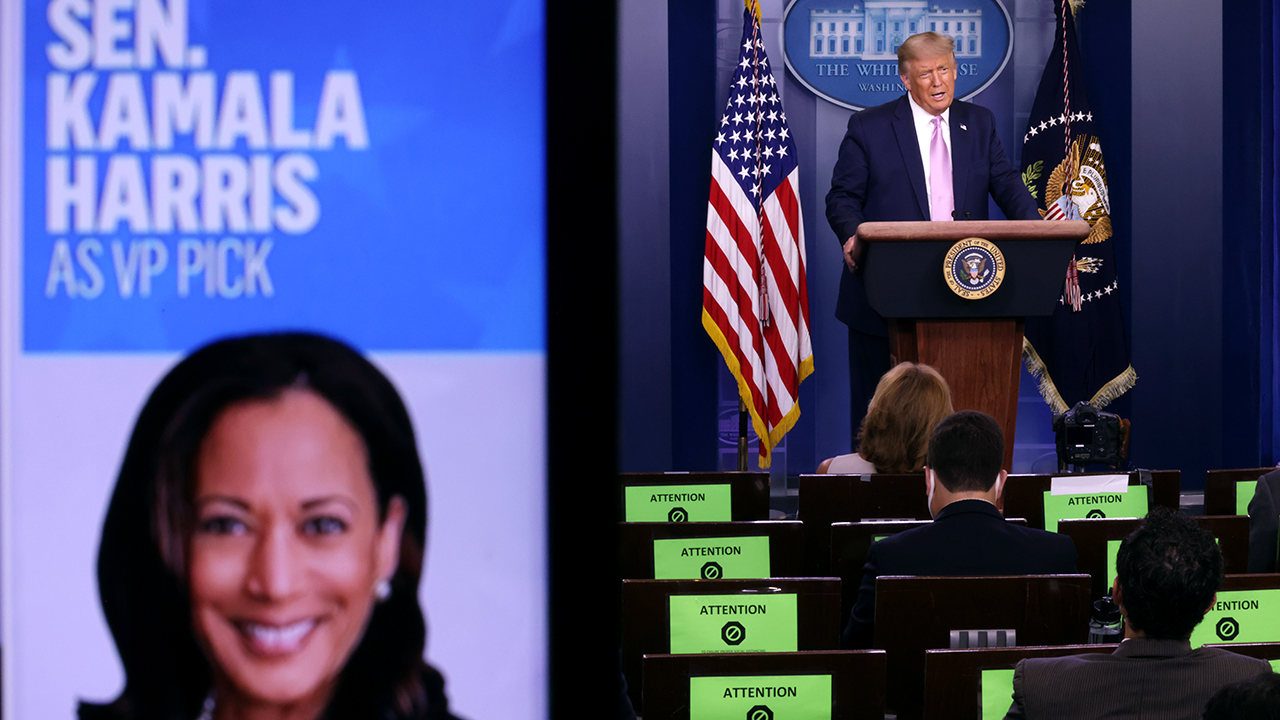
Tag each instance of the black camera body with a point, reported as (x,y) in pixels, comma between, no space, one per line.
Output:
(1086,435)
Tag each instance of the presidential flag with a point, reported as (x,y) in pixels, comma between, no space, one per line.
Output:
(1080,352)
(755,303)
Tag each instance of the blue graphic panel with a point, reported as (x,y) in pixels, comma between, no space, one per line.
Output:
(847,51)
(198,168)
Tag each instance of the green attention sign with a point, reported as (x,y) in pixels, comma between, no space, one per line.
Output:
(1244,493)
(678,503)
(711,558)
(761,697)
(997,693)
(1094,505)
(1241,616)
(1113,549)
(741,622)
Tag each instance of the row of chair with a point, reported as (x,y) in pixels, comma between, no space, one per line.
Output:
(827,499)
(1096,541)
(961,683)
(914,615)
(1057,606)
(1226,492)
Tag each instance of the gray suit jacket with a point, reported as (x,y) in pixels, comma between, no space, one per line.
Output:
(1264,509)
(1143,679)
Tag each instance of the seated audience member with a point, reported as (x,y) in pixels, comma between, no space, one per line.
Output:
(910,401)
(1264,509)
(968,535)
(1256,699)
(1168,574)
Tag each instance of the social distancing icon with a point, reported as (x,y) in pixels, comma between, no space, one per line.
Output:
(733,633)
(1227,629)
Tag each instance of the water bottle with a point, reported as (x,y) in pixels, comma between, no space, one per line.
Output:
(1105,624)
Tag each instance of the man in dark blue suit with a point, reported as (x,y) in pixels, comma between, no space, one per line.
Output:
(968,535)
(894,163)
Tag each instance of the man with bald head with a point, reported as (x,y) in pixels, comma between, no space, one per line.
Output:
(923,156)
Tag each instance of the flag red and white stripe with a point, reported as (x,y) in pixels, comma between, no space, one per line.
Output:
(755,302)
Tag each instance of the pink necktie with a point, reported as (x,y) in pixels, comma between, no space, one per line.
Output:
(940,199)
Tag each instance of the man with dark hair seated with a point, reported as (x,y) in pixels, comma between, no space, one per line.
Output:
(1168,574)
(1255,699)
(968,535)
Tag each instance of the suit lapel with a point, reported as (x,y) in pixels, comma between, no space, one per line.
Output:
(905,130)
(961,152)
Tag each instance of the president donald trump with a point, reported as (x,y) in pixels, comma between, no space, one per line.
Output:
(924,156)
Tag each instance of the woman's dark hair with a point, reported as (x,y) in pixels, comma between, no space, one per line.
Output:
(1169,569)
(142,561)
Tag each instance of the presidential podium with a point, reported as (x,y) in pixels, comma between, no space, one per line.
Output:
(955,295)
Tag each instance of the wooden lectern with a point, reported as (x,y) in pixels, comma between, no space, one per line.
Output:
(975,343)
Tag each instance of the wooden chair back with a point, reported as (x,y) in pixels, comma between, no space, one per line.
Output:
(646,622)
(826,499)
(915,614)
(786,542)
(1092,536)
(857,679)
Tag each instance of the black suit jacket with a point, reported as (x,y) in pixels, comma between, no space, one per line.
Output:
(1144,679)
(968,537)
(879,176)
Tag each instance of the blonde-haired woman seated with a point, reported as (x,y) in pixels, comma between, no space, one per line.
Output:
(910,400)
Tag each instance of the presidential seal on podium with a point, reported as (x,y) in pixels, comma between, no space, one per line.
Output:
(974,268)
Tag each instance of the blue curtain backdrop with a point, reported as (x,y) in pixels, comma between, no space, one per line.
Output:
(1270,351)
(1249,271)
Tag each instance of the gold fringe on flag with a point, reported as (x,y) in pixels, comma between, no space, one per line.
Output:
(769,440)
(1036,367)
(1116,387)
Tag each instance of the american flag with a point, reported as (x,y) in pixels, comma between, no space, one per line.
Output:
(755,302)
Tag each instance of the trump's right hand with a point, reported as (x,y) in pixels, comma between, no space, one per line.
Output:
(851,252)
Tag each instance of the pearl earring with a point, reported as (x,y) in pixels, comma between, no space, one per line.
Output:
(382,590)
